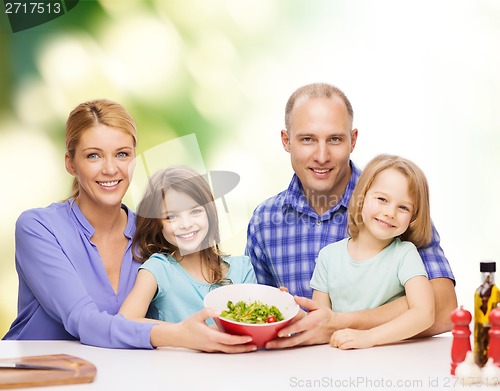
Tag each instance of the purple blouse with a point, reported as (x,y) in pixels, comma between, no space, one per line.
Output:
(64,291)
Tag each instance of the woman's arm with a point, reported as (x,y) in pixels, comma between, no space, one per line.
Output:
(58,279)
(52,278)
(417,318)
(193,333)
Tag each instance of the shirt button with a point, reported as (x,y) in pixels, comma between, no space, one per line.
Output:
(318,222)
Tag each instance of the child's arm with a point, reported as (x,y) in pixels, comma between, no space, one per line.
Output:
(135,306)
(417,318)
(322,298)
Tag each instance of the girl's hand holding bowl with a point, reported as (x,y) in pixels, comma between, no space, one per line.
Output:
(250,293)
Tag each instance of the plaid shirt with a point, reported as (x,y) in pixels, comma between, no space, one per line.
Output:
(285,235)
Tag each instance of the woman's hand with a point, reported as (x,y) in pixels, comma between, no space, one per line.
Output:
(194,333)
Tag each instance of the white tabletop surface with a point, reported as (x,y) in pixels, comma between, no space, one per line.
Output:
(422,364)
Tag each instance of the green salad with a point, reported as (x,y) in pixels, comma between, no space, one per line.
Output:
(253,313)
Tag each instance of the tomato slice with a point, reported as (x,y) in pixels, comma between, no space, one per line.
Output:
(271,319)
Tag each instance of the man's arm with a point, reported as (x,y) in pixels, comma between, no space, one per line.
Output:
(443,285)
(445,301)
(367,319)
(418,317)
(318,325)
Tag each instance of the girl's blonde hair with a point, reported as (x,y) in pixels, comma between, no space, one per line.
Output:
(148,238)
(93,113)
(419,231)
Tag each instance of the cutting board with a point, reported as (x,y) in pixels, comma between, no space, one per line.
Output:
(81,371)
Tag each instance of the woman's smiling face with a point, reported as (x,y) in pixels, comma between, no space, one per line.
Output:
(103,164)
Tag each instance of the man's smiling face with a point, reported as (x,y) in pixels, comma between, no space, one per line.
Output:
(320,141)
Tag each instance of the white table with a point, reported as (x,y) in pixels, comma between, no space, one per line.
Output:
(414,365)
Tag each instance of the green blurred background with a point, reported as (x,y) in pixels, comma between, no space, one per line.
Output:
(422,76)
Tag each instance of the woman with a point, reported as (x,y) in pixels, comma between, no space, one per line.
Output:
(74,258)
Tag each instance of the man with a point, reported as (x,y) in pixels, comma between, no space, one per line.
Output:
(287,231)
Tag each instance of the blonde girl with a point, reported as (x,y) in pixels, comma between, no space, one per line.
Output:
(389,218)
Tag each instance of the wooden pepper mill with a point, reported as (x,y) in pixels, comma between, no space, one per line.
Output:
(494,333)
(461,336)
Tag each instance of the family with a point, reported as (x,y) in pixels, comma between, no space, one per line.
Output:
(358,250)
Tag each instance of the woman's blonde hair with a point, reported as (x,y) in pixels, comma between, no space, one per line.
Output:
(93,113)
(148,238)
(419,231)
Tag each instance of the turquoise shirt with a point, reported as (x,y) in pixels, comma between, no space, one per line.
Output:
(179,295)
(358,285)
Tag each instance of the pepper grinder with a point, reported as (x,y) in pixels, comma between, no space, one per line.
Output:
(461,336)
(494,334)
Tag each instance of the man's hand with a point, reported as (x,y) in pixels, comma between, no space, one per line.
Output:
(313,328)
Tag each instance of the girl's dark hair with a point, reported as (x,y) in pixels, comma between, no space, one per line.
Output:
(148,238)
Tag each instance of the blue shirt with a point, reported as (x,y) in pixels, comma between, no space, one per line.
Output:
(64,291)
(179,295)
(285,235)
